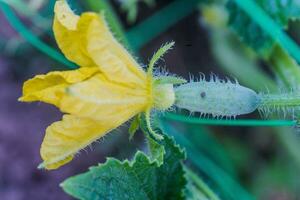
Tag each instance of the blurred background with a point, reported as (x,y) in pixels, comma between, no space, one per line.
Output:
(236,162)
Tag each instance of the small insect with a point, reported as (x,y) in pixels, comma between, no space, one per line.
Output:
(216,97)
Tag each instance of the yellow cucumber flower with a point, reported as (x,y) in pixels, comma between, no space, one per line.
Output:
(107,90)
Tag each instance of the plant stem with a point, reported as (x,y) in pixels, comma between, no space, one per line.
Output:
(285,100)
(285,67)
(201,184)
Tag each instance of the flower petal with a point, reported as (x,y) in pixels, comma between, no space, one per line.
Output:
(109,55)
(100,99)
(51,87)
(65,138)
(67,31)
(65,16)
(87,41)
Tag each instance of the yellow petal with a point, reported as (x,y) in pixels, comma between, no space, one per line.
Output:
(51,87)
(68,34)
(65,15)
(65,138)
(87,41)
(100,99)
(109,55)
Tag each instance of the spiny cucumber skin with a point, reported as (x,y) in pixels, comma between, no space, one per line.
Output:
(217,98)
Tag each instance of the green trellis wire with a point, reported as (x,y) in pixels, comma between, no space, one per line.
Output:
(279,35)
(222,122)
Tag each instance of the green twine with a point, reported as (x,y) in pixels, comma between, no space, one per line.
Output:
(195,120)
(31,38)
(23,8)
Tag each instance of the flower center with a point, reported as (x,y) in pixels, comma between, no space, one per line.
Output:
(163,96)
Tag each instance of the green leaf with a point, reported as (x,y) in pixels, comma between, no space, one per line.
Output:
(139,179)
(280,11)
(134,126)
(156,151)
(169,80)
(197,189)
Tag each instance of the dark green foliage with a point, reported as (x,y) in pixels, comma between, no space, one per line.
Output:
(250,33)
(140,178)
